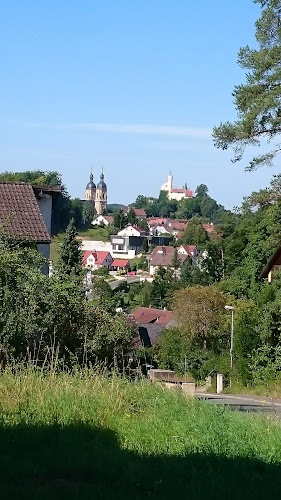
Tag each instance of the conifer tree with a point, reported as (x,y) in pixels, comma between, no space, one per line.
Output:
(70,256)
(257,101)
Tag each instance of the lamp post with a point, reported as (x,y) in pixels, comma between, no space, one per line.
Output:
(230,308)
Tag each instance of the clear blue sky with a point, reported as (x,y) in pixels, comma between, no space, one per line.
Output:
(135,86)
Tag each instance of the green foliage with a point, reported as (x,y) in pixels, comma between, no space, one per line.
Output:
(70,255)
(162,288)
(194,234)
(88,212)
(258,100)
(120,220)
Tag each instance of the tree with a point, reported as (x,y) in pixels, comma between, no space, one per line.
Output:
(199,312)
(144,247)
(88,212)
(258,100)
(120,220)
(161,288)
(131,216)
(176,262)
(195,234)
(70,256)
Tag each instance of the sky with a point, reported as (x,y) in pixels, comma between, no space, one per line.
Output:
(133,86)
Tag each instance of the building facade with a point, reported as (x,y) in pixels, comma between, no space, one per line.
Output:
(175,193)
(97,195)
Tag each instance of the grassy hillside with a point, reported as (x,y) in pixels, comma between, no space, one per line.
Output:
(92,436)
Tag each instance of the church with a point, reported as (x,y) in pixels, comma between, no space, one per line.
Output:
(175,193)
(97,195)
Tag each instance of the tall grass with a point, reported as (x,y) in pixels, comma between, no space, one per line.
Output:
(107,435)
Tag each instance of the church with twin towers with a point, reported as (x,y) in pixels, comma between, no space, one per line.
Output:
(97,194)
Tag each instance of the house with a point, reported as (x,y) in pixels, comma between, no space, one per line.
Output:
(93,259)
(272,265)
(120,265)
(131,230)
(21,215)
(103,220)
(151,322)
(163,257)
(139,212)
(189,250)
(166,226)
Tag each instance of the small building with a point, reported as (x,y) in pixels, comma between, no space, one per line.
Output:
(151,323)
(26,212)
(163,257)
(131,230)
(273,265)
(139,212)
(103,220)
(95,259)
(120,265)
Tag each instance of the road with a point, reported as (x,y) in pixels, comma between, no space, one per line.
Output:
(243,403)
(130,279)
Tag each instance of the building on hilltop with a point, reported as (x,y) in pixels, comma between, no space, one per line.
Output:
(97,195)
(175,193)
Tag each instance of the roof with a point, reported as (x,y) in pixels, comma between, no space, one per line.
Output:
(99,256)
(20,215)
(148,334)
(120,263)
(209,227)
(156,220)
(189,249)
(145,315)
(272,261)
(139,212)
(187,192)
(109,218)
(163,256)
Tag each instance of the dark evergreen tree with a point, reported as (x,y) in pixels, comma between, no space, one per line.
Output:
(258,100)
(70,255)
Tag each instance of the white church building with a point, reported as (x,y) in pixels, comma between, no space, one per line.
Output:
(175,193)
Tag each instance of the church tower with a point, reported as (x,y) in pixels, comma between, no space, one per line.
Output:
(101,196)
(90,193)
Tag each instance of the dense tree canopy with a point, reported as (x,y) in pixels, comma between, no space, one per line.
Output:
(258,100)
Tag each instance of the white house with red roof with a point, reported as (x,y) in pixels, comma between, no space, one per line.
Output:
(131,230)
(175,193)
(103,220)
(95,259)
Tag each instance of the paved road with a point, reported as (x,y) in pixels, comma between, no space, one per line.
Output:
(253,404)
(130,279)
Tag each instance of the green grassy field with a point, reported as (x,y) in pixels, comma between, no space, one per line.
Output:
(92,436)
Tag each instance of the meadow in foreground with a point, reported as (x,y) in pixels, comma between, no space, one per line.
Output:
(91,435)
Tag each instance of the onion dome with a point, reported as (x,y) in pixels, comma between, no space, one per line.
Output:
(91,184)
(101,184)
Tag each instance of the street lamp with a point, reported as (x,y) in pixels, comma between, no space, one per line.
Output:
(230,308)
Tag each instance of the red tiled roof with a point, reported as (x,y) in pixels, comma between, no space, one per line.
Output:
(150,315)
(139,212)
(156,221)
(20,215)
(109,218)
(187,192)
(99,256)
(120,263)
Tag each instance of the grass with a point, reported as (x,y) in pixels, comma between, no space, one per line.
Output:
(96,234)
(271,389)
(89,435)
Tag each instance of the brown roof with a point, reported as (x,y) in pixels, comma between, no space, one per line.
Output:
(20,215)
(144,315)
(163,256)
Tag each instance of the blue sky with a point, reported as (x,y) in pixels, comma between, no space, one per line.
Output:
(135,86)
